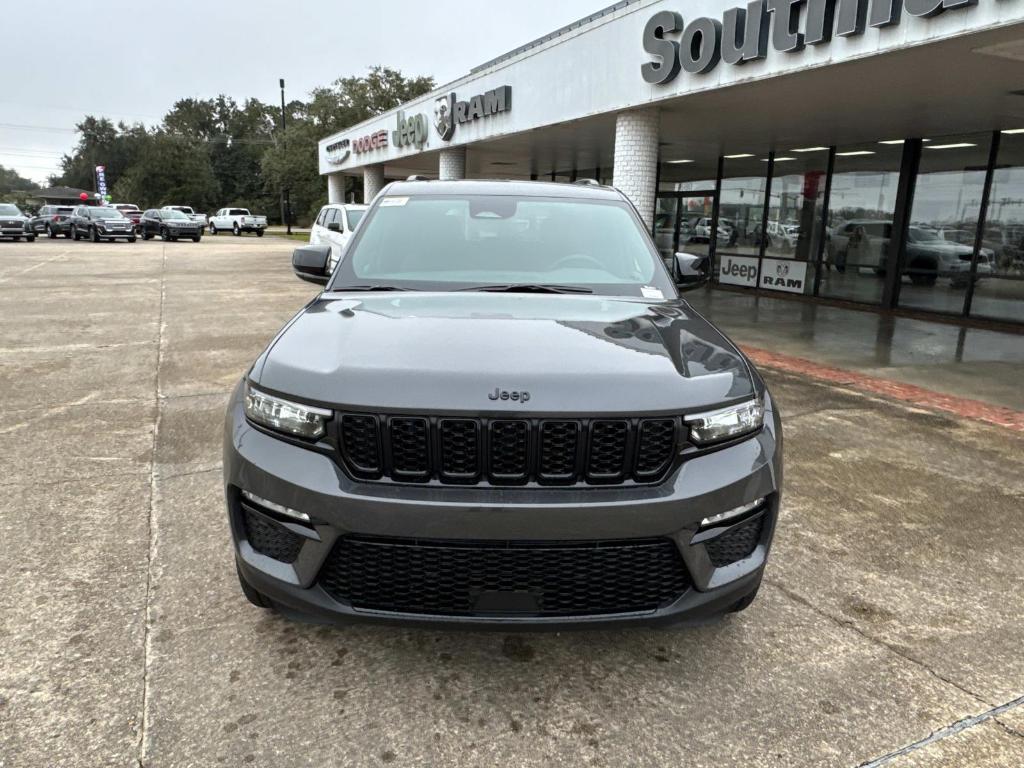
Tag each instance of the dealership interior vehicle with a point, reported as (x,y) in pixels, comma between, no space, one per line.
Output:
(169,224)
(98,223)
(500,412)
(14,224)
(334,226)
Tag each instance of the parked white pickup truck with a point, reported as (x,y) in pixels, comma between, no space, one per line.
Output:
(237,221)
(200,218)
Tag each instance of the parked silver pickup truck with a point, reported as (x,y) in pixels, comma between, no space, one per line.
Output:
(237,221)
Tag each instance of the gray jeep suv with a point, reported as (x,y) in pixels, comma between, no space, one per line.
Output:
(499,412)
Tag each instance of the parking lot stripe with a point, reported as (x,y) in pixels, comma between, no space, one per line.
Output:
(962,407)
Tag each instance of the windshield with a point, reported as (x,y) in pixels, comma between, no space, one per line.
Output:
(354,217)
(182,208)
(172,214)
(106,213)
(459,242)
(9,210)
(919,235)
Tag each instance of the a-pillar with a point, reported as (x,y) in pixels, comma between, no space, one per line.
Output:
(452,164)
(336,188)
(373,182)
(636,159)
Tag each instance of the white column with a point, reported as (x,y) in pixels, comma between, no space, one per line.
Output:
(452,164)
(336,188)
(636,159)
(373,182)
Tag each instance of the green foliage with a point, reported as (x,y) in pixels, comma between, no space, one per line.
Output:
(12,181)
(211,153)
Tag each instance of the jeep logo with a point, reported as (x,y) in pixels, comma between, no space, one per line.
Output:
(500,394)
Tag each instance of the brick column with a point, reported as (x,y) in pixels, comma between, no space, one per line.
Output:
(452,164)
(335,187)
(636,159)
(373,182)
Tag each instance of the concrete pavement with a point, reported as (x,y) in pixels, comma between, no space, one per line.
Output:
(887,632)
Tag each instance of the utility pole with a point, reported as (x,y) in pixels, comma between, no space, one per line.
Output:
(286,205)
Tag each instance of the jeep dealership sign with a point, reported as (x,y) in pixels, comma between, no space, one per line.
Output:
(742,34)
(738,270)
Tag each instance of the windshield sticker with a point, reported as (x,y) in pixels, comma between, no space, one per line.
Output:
(387,202)
(650,292)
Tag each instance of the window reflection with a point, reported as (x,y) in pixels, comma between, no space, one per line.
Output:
(943,222)
(861,205)
(1000,295)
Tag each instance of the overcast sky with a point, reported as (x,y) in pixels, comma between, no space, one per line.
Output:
(61,72)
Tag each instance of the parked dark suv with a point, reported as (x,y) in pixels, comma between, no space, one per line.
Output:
(52,220)
(169,225)
(500,412)
(99,223)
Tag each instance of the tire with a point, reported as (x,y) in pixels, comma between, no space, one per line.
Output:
(74,233)
(174,239)
(146,235)
(236,231)
(922,273)
(259,233)
(164,235)
(30,238)
(196,239)
(94,235)
(213,229)
(50,233)
(131,239)
(254,597)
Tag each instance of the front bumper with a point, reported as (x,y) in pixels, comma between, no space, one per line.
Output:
(116,233)
(14,231)
(313,483)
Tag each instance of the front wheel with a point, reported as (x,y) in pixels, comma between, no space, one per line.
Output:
(164,235)
(213,228)
(196,239)
(74,233)
(30,238)
(50,233)
(131,239)
(94,235)
(146,235)
(236,231)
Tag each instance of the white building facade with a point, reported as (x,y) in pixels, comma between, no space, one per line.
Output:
(865,151)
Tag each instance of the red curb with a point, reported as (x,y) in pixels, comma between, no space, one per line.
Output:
(963,407)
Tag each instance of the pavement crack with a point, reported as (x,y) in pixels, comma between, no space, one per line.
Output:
(950,730)
(849,624)
(151,527)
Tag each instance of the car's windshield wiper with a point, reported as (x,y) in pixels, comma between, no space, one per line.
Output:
(529,288)
(343,288)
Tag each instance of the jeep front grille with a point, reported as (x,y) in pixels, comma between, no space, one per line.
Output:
(507,451)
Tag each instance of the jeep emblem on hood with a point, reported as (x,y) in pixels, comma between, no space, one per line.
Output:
(501,394)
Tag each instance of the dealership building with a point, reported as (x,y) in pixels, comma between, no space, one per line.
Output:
(860,151)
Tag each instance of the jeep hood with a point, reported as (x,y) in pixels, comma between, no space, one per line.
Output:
(450,351)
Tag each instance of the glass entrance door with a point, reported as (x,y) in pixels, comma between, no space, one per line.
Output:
(682,222)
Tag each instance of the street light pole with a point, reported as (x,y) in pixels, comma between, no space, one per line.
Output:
(287,205)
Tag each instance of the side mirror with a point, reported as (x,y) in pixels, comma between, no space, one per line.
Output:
(310,263)
(690,270)
(334,226)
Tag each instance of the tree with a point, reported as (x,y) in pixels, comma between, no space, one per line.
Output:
(12,181)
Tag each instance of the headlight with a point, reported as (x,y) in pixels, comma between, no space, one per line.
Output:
(284,415)
(726,423)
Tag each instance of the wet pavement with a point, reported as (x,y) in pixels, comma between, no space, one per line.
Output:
(887,632)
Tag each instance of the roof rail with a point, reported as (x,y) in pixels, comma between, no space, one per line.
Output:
(588,182)
(417,177)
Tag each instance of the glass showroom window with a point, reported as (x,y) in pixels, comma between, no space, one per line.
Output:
(741,215)
(862,201)
(936,266)
(794,219)
(686,195)
(999,286)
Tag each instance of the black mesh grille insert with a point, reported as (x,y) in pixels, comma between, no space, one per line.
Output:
(361,441)
(657,439)
(607,460)
(410,451)
(559,442)
(473,578)
(460,449)
(509,457)
(269,538)
(507,451)
(737,544)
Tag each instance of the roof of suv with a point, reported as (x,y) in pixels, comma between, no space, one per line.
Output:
(500,187)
